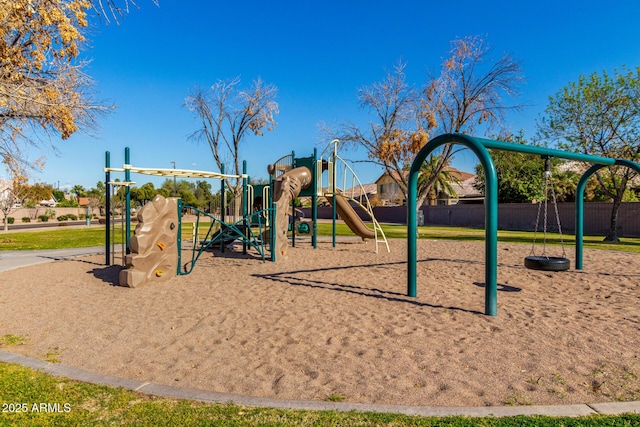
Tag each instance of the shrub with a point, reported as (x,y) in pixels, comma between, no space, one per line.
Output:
(72,217)
(26,219)
(62,218)
(43,218)
(82,216)
(11,219)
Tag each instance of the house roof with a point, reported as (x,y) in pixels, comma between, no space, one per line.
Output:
(461,175)
(369,189)
(466,188)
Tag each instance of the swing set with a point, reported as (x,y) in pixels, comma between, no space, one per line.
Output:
(480,147)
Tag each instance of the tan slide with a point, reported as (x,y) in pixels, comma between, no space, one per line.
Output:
(351,218)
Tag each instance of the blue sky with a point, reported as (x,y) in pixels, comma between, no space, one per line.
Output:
(318,53)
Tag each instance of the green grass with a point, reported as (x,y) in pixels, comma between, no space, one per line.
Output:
(46,400)
(94,236)
(474,234)
(56,238)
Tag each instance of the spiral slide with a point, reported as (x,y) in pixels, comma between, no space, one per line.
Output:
(286,188)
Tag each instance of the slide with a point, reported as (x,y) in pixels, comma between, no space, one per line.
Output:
(286,188)
(351,218)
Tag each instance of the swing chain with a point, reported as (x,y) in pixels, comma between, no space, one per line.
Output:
(548,184)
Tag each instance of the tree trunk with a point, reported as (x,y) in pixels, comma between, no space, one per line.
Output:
(612,236)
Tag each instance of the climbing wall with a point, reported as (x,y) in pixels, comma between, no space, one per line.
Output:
(154,245)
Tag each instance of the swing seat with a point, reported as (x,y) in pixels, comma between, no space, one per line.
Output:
(547,263)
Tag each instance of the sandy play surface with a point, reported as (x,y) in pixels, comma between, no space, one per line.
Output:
(335,323)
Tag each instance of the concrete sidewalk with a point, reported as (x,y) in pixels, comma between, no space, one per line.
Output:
(10,260)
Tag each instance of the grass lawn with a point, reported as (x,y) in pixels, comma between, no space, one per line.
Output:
(63,238)
(46,400)
(32,398)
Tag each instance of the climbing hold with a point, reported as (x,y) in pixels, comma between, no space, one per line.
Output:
(161,245)
(158,273)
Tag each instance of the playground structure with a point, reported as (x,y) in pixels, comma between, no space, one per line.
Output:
(480,148)
(339,186)
(154,252)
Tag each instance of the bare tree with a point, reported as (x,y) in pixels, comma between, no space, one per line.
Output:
(228,114)
(398,132)
(114,9)
(13,193)
(468,93)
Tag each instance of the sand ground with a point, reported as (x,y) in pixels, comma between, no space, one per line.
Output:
(334,323)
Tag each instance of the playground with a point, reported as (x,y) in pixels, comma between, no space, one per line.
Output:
(335,323)
(339,319)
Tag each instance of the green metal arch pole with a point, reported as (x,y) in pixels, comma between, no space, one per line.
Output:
(491,215)
(245,207)
(107,207)
(127,203)
(580,205)
(582,183)
(333,172)
(223,207)
(314,200)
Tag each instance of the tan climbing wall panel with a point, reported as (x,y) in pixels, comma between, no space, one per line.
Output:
(154,245)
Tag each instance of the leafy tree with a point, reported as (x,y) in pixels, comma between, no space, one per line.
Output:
(599,115)
(228,114)
(203,193)
(43,89)
(79,191)
(521,175)
(39,192)
(468,93)
(58,195)
(144,194)
(97,196)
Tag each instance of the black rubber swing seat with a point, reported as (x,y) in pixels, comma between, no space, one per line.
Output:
(547,263)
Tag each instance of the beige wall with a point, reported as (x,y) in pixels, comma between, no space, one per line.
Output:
(388,191)
(34,213)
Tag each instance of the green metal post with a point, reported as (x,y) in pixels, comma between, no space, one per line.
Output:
(292,221)
(245,200)
(223,207)
(179,237)
(107,180)
(334,171)
(582,183)
(314,201)
(127,205)
(272,221)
